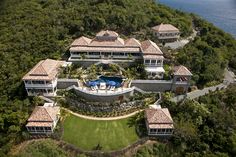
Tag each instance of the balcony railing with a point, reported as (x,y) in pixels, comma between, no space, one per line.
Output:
(182,82)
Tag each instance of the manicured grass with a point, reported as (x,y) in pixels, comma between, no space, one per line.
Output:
(87,134)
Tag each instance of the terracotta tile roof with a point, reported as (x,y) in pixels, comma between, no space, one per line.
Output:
(104,49)
(153,57)
(44,70)
(182,71)
(161,126)
(165,28)
(109,43)
(158,116)
(150,47)
(44,114)
(39,124)
(132,42)
(107,33)
(82,41)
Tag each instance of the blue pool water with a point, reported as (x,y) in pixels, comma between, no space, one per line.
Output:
(110,81)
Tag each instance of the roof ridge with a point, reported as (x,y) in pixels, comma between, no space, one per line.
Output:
(47,112)
(41,68)
(166,114)
(169,119)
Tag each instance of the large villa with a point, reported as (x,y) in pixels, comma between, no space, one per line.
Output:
(106,48)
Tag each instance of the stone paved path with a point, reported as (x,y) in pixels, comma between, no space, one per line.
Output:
(182,42)
(102,118)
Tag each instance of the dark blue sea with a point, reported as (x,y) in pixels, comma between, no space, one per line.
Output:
(222,13)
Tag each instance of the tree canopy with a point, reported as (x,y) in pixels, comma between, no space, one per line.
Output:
(31,30)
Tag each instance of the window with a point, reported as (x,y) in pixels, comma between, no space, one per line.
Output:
(153,130)
(106,53)
(146,61)
(75,57)
(27,81)
(82,53)
(47,128)
(118,54)
(135,54)
(153,61)
(94,53)
(38,82)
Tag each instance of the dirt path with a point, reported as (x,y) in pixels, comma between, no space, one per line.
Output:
(102,118)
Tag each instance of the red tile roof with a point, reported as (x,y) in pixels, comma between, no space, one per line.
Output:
(158,118)
(82,41)
(104,49)
(107,33)
(150,48)
(182,71)
(153,57)
(44,70)
(39,124)
(165,28)
(132,42)
(108,43)
(44,114)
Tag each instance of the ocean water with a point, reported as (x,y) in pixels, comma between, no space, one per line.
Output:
(222,13)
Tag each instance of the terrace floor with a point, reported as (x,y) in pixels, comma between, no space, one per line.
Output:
(104,91)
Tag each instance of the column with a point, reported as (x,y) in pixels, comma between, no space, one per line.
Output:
(27,91)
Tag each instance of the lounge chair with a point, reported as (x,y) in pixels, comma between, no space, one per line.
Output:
(92,87)
(112,88)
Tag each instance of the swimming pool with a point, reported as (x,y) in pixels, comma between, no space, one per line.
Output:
(110,81)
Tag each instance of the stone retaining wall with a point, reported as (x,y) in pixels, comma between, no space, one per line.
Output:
(153,85)
(65,83)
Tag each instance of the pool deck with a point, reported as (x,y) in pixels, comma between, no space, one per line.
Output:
(104,91)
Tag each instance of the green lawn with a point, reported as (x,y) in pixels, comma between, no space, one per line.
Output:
(87,134)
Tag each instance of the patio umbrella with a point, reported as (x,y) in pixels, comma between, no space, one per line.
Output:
(92,83)
(112,83)
(118,84)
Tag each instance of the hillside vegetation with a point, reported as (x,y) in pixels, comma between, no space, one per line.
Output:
(31,30)
(206,128)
